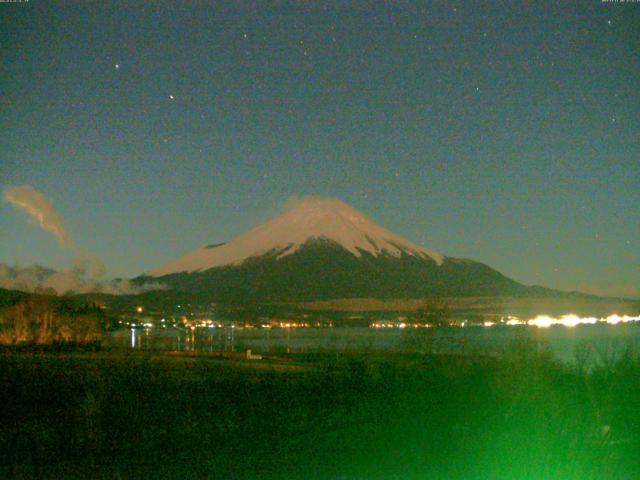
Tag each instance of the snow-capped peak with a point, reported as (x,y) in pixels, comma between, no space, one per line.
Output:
(309,218)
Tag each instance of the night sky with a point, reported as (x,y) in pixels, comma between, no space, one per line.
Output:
(495,131)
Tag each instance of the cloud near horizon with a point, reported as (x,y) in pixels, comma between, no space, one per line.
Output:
(84,274)
(77,279)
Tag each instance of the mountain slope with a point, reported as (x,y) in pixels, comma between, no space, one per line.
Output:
(324,249)
(311,218)
(322,269)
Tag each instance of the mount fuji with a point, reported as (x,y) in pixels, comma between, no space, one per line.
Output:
(322,248)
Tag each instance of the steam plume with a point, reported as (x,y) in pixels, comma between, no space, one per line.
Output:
(41,211)
(86,270)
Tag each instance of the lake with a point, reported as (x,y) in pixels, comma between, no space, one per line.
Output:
(599,342)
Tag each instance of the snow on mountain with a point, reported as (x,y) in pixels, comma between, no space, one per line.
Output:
(310,218)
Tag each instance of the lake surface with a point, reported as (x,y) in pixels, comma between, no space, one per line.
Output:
(600,342)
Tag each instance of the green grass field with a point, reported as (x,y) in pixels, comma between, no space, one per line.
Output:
(391,416)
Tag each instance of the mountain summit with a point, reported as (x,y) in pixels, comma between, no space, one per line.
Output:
(312,218)
(321,248)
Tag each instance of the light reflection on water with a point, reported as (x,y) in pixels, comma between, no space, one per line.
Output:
(601,339)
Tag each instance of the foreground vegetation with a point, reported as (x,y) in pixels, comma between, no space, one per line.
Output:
(125,415)
(44,320)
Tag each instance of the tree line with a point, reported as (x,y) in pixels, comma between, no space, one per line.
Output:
(46,320)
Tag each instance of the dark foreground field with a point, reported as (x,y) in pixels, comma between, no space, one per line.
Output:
(106,415)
